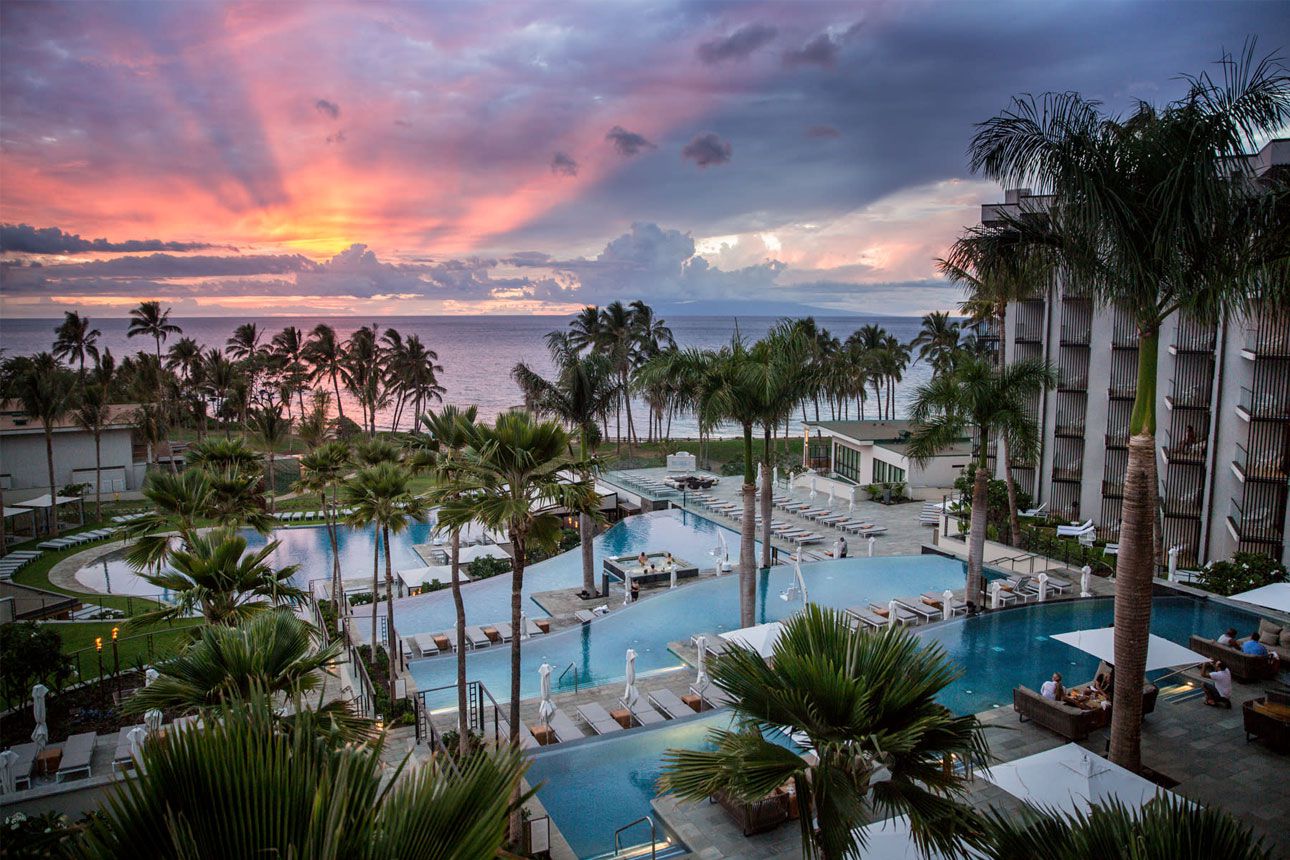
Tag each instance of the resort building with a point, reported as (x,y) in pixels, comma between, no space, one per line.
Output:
(859,453)
(1223,411)
(24,469)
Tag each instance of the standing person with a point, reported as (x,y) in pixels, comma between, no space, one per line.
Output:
(842,547)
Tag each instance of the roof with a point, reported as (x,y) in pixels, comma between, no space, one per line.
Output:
(892,435)
(13,420)
(958,449)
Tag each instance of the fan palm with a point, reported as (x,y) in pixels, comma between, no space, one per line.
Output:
(322,471)
(92,413)
(583,392)
(241,787)
(451,431)
(380,496)
(864,706)
(978,398)
(1163,829)
(1155,212)
(214,574)
(272,428)
(288,348)
(75,340)
(149,320)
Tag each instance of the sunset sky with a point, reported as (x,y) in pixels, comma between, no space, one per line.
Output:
(392,158)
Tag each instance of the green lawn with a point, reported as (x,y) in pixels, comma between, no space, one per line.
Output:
(36,575)
(132,648)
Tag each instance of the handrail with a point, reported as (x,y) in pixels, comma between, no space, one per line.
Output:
(565,672)
(653,836)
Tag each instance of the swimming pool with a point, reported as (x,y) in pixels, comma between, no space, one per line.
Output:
(597,649)
(489,601)
(594,787)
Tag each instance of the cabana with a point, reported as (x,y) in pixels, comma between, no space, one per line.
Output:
(12,514)
(1070,779)
(49,508)
(1275,596)
(760,637)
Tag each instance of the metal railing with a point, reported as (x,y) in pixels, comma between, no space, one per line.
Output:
(653,835)
(565,672)
(481,707)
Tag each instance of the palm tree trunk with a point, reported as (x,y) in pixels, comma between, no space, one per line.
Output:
(584,528)
(51,518)
(513,714)
(1014,522)
(767,490)
(333,532)
(1133,569)
(98,474)
(376,572)
(747,538)
(273,486)
(392,641)
(340,407)
(459,605)
(976,543)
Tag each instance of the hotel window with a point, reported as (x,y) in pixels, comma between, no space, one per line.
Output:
(886,473)
(846,462)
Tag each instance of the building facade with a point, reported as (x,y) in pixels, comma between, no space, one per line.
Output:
(859,453)
(1223,412)
(24,471)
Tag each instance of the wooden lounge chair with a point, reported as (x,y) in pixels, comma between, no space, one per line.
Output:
(78,750)
(477,638)
(426,645)
(564,728)
(22,766)
(598,718)
(443,642)
(643,713)
(670,704)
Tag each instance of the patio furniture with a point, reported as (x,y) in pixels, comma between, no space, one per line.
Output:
(426,644)
(1246,668)
(756,816)
(598,718)
(443,642)
(1075,531)
(122,759)
(922,610)
(643,713)
(477,638)
(78,750)
(1268,718)
(526,738)
(564,728)
(1032,513)
(1070,722)
(504,631)
(670,704)
(712,696)
(931,598)
(903,614)
(584,615)
(22,766)
(866,617)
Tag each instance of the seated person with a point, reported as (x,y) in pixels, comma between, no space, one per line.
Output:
(1101,684)
(1053,689)
(642,560)
(1228,638)
(1218,689)
(667,559)
(842,547)
(1255,648)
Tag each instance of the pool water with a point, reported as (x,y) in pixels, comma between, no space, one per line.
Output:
(488,601)
(593,787)
(597,650)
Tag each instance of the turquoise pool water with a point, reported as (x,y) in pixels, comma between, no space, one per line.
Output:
(597,649)
(591,788)
(488,601)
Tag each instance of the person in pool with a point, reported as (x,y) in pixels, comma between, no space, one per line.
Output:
(642,560)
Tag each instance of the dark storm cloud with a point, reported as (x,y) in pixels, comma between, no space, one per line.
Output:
(820,51)
(26,239)
(706,150)
(564,164)
(329,108)
(738,45)
(628,143)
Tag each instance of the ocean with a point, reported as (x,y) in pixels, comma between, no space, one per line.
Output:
(477,352)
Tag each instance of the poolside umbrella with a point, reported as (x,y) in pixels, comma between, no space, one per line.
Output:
(1173,563)
(137,736)
(774,476)
(812,488)
(872,539)
(671,571)
(760,637)
(1070,779)
(39,735)
(701,681)
(759,467)
(891,840)
(1275,596)
(1085,574)
(947,604)
(524,625)
(891,613)
(546,709)
(152,720)
(7,780)
(851,505)
(1100,642)
(631,694)
(150,676)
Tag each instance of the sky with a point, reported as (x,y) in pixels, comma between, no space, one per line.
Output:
(398,159)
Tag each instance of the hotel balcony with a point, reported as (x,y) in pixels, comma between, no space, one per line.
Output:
(1124,335)
(1261,524)
(1117,440)
(1265,406)
(1067,381)
(1069,427)
(1192,337)
(1184,448)
(1076,335)
(1113,489)
(1193,396)
(1270,340)
(1268,465)
(1185,505)
(1072,473)
(1032,333)
(1122,391)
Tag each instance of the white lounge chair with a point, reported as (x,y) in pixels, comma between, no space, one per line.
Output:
(598,718)
(78,750)
(477,637)
(670,704)
(1032,513)
(584,615)
(643,713)
(425,644)
(565,728)
(1075,531)
(23,764)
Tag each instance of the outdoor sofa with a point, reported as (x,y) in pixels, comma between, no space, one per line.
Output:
(1268,718)
(1245,668)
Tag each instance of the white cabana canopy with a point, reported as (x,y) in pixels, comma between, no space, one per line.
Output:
(760,637)
(891,840)
(44,502)
(1100,642)
(15,512)
(1275,596)
(1069,779)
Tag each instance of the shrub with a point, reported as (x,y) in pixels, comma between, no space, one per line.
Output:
(1242,572)
(996,497)
(432,585)
(486,566)
(398,713)
(31,653)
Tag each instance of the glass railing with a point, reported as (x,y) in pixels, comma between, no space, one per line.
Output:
(1264,405)
(1261,522)
(1261,466)
(1185,446)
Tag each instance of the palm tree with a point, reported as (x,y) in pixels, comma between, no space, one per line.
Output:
(221,377)
(452,430)
(327,355)
(1163,829)
(364,373)
(381,496)
(509,479)
(583,392)
(937,340)
(149,320)
(1155,212)
(778,372)
(242,787)
(322,471)
(92,413)
(46,391)
(288,347)
(215,575)
(975,397)
(865,705)
(272,429)
(75,341)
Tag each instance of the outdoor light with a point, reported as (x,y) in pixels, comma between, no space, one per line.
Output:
(98,643)
(115,630)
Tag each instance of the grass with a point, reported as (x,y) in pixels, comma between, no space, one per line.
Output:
(36,575)
(723,456)
(132,648)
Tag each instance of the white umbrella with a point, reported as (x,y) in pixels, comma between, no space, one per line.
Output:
(891,614)
(759,473)
(892,840)
(947,605)
(631,694)
(1042,579)
(7,776)
(774,476)
(39,735)
(812,487)
(671,575)
(152,720)
(1173,563)
(546,710)
(801,580)
(760,637)
(524,625)
(851,505)
(150,676)
(701,680)
(1100,642)
(831,494)
(1085,574)
(1071,779)
(871,541)
(137,736)
(1275,596)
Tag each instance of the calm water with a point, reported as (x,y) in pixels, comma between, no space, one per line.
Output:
(591,788)
(477,352)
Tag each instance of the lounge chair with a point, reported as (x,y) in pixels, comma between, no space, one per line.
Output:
(931,598)
(527,741)
(809,537)
(425,644)
(903,614)
(564,728)
(712,696)
(871,530)
(670,704)
(643,713)
(922,610)
(78,750)
(504,631)
(866,616)
(477,638)
(1075,531)
(444,642)
(598,718)
(584,615)
(410,647)
(1032,513)
(122,759)
(22,766)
